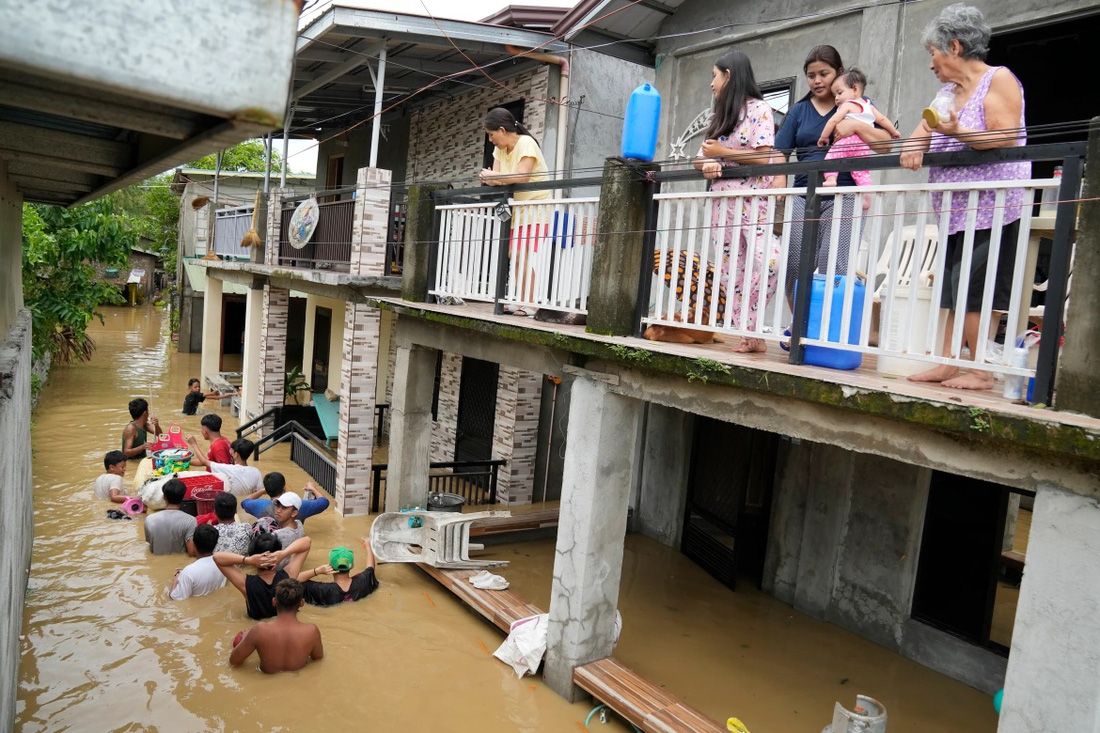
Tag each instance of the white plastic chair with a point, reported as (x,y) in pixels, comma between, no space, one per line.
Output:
(929,246)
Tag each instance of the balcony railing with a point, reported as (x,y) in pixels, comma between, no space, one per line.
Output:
(230,226)
(330,246)
(532,254)
(395,232)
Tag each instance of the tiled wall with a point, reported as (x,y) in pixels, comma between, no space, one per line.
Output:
(372,208)
(273,347)
(447,139)
(516,432)
(446,423)
(358,372)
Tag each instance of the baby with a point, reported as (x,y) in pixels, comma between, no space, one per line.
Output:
(848,91)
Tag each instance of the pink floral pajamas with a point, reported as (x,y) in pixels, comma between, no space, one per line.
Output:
(852,146)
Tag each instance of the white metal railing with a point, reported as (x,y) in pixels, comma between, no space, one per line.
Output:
(230,226)
(903,235)
(550,247)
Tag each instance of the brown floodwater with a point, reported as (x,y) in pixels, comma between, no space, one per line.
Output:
(105,649)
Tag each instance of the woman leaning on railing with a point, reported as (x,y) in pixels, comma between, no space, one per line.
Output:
(987,113)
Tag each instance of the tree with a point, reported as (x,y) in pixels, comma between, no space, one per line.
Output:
(60,287)
(246,156)
(154,212)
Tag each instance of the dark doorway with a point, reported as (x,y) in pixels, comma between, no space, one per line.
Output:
(959,556)
(322,334)
(516,108)
(477,404)
(1033,55)
(729,499)
(550,458)
(233,325)
(296,334)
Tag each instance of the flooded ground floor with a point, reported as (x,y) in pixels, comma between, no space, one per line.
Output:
(105,649)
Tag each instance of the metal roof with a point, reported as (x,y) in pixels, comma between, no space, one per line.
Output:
(618,27)
(338,55)
(96,96)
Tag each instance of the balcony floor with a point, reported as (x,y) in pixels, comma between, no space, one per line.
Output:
(865,378)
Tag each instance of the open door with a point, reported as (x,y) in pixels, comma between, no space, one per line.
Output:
(477,405)
(729,499)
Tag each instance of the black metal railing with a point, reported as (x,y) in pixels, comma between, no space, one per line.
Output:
(306,450)
(330,245)
(474,481)
(380,420)
(258,424)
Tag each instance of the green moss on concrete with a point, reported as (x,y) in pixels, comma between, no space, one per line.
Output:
(960,420)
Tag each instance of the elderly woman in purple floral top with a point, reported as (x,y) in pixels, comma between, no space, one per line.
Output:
(988,113)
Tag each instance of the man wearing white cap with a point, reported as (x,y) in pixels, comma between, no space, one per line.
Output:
(286,507)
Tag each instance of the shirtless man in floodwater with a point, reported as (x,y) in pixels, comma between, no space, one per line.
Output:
(285,644)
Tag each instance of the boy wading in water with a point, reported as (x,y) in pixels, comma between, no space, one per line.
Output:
(285,644)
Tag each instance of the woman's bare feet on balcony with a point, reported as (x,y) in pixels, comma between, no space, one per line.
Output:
(677,335)
(971,380)
(935,374)
(751,346)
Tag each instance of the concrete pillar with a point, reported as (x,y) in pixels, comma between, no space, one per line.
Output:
(211,327)
(411,428)
(596,486)
(371,222)
(1053,680)
(617,264)
(666,462)
(419,233)
(308,336)
(250,377)
(1080,359)
(358,374)
(272,352)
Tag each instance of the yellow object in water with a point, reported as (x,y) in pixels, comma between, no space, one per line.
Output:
(736,726)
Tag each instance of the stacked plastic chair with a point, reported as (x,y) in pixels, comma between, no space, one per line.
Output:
(441,539)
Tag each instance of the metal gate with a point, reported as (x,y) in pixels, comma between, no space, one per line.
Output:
(729,499)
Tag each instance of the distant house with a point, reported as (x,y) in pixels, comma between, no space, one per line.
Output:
(145,272)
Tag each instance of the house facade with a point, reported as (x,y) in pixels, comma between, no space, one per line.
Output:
(893,510)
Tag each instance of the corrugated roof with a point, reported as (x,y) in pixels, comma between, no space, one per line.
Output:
(617,27)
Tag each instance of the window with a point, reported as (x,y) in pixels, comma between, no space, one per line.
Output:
(777,94)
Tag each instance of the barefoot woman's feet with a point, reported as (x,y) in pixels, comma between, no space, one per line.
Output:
(751,346)
(935,374)
(970,380)
(829,181)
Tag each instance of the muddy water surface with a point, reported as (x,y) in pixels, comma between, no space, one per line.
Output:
(105,649)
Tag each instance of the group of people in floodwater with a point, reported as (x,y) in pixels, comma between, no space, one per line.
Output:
(274,544)
(836,119)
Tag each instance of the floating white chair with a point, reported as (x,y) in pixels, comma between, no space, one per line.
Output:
(442,540)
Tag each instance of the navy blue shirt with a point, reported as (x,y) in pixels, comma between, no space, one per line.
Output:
(801,130)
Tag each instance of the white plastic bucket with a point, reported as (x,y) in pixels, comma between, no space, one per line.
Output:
(897,333)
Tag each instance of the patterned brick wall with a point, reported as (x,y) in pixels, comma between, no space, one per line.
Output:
(272,365)
(446,140)
(372,208)
(274,222)
(358,374)
(446,424)
(516,431)
(392,357)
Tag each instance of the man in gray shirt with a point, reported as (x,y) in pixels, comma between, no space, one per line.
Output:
(167,530)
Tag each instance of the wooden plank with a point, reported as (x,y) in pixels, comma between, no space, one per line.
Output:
(514,523)
(501,608)
(641,702)
(1013,559)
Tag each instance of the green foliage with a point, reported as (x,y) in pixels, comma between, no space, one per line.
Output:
(36,385)
(631,355)
(980,420)
(154,212)
(293,383)
(704,367)
(246,156)
(60,288)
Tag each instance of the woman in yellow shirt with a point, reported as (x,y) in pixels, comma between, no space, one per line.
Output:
(517,158)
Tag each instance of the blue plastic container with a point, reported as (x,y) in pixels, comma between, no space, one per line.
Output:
(822,355)
(643,113)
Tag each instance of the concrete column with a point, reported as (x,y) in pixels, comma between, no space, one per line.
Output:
(371,222)
(274,224)
(272,352)
(516,433)
(418,237)
(411,428)
(617,263)
(211,327)
(665,465)
(358,372)
(596,486)
(250,377)
(308,335)
(1080,359)
(1053,680)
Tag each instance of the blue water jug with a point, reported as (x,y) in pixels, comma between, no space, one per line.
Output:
(643,113)
(822,355)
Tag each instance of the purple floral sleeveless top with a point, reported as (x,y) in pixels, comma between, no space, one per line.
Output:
(972,116)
